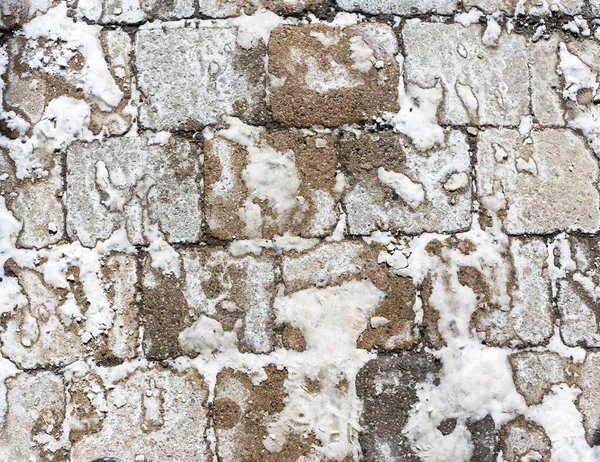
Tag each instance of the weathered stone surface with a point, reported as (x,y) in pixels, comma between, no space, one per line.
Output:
(399,8)
(388,387)
(578,259)
(153,414)
(49,102)
(391,326)
(523,439)
(529,319)
(134,11)
(36,202)
(14,13)
(483,85)
(221,302)
(36,411)
(546,98)
(50,330)
(392,186)
(282,182)
(133,183)
(242,411)
(511,7)
(538,184)
(38,76)
(324,75)
(535,373)
(191,77)
(589,401)
(226,8)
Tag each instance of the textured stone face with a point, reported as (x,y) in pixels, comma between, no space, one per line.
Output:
(153,413)
(133,183)
(321,75)
(391,324)
(299,231)
(540,184)
(221,302)
(282,182)
(388,387)
(403,190)
(484,85)
(134,11)
(226,8)
(192,77)
(399,8)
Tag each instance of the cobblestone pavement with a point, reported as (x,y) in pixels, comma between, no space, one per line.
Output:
(299,230)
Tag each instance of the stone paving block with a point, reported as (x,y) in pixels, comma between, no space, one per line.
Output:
(281,183)
(135,183)
(154,414)
(221,301)
(535,372)
(546,97)
(36,411)
(576,300)
(325,75)
(38,75)
(542,184)
(191,77)
(529,319)
(227,8)
(242,412)
(36,202)
(510,7)
(134,11)
(483,85)
(388,387)
(14,13)
(51,329)
(523,439)
(391,186)
(391,326)
(589,400)
(399,8)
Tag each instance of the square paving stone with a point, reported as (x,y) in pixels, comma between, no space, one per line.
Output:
(390,186)
(193,76)
(331,76)
(281,182)
(539,184)
(483,85)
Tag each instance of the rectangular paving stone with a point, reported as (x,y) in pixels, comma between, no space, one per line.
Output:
(324,75)
(282,182)
(36,413)
(52,328)
(153,414)
(388,386)
(390,186)
(37,76)
(529,318)
(399,8)
(129,181)
(546,97)
(540,186)
(483,85)
(392,325)
(227,8)
(193,76)
(576,301)
(510,7)
(134,11)
(222,303)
